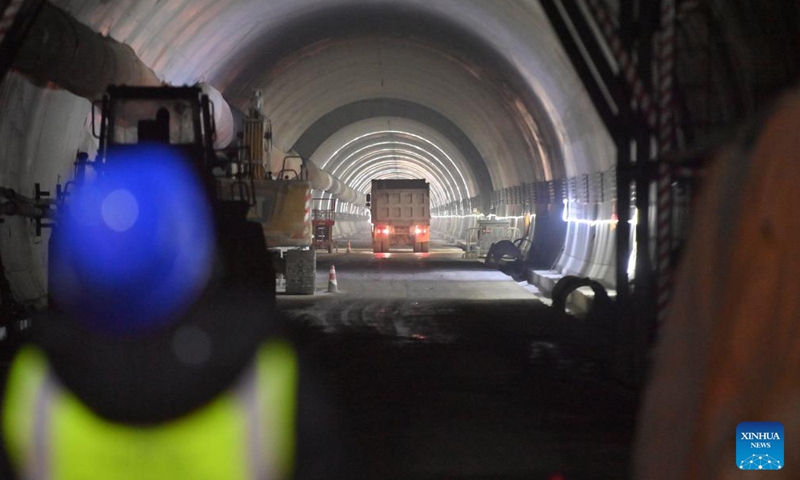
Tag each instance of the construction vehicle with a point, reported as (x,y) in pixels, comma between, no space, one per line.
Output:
(182,119)
(323,218)
(142,228)
(401,214)
(281,203)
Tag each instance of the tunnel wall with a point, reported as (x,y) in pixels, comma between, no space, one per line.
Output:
(587,206)
(351,229)
(40,133)
(453,228)
(590,246)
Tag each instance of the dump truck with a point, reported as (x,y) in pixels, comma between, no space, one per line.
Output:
(401,214)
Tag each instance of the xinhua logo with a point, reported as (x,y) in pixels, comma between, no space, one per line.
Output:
(759,446)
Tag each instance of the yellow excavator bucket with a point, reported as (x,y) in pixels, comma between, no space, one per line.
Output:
(283,208)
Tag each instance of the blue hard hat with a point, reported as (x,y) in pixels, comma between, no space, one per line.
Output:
(134,247)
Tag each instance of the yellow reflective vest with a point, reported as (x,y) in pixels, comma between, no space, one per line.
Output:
(248,432)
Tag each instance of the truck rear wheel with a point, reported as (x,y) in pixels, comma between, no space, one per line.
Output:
(424,247)
(384,246)
(376,247)
(417,247)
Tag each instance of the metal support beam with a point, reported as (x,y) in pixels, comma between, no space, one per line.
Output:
(608,111)
(590,42)
(627,26)
(623,246)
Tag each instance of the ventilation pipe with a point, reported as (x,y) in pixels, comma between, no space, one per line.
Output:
(61,50)
(16,17)
(322,180)
(222,116)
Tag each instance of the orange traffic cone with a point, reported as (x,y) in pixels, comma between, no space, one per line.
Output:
(348,247)
(332,285)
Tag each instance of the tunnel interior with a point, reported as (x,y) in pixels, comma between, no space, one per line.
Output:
(523,113)
(364,90)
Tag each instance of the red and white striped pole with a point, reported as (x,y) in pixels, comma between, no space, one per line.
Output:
(666,142)
(644,102)
(662,117)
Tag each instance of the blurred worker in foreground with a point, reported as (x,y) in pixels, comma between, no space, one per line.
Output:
(730,349)
(162,358)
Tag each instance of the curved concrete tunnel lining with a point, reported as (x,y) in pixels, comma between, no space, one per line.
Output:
(412,143)
(452,23)
(459,190)
(399,159)
(185,55)
(462,186)
(301,94)
(386,166)
(382,166)
(320,140)
(543,73)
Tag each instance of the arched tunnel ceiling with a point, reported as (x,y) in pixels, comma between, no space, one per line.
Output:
(389,147)
(507,49)
(366,68)
(495,69)
(426,122)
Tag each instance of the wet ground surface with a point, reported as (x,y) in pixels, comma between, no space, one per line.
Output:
(448,370)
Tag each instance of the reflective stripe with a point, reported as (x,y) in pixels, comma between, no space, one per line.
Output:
(22,391)
(279,379)
(247,393)
(38,462)
(239,435)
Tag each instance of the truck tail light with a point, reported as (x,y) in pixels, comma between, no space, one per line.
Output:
(417,230)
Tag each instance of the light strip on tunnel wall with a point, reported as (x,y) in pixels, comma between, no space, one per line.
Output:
(409,173)
(412,146)
(631,270)
(437,173)
(380,157)
(386,169)
(394,153)
(368,170)
(565,216)
(423,139)
(401,132)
